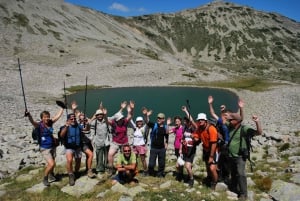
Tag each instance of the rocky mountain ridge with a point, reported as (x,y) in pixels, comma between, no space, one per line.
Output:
(231,37)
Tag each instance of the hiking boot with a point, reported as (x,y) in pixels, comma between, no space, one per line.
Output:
(213,186)
(90,174)
(52,178)
(191,182)
(71,179)
(45,181)
(145,174)
(179,177)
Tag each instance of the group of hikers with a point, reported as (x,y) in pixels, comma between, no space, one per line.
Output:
(224,144)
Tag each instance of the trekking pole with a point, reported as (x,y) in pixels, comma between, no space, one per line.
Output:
(65,96)
(188,107)
(85,94)
(22,85)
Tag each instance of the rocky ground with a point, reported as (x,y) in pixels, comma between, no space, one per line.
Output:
(278,108)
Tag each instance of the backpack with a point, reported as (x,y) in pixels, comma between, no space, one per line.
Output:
(35,134)
(245,153)
(221,140)
(155,129)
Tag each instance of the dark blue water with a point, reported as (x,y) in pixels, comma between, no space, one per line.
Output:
(160,99)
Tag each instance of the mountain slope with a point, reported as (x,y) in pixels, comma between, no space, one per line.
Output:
(226,33)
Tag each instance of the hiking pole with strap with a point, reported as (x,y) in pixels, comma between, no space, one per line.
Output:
(65,96)
(188,107)
(22,85)
(85,94)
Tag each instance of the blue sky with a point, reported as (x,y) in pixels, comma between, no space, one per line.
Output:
(288,8)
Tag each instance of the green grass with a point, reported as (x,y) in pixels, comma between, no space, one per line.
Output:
(78,88)
(251,84)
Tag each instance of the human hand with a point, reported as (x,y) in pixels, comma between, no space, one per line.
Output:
(183,108)
(241,103)
(255,118)
(123,104)
(210,99)
(100,105)
(27,114)
(169,121)
(74,105)
(131,103)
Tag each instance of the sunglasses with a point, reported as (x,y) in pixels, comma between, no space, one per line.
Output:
(126,151)
(72,119)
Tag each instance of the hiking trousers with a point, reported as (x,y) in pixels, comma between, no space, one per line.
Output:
(159,154)
(238,175)
(101,158)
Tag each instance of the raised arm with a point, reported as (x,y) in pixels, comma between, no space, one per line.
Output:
(258,125)
(241,104)
(184,109)
(146,114)
(211,109)
(34,123)
(130,109)
(58,115)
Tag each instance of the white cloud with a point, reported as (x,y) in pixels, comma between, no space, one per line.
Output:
(119,7)
(141,10)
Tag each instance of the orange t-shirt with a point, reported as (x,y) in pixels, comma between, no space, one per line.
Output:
(207,138)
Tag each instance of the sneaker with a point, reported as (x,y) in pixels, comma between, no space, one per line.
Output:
(90,174)
(71,179)
(191,182)
(45,181)
(52,178)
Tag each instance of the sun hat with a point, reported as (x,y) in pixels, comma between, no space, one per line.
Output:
(99,112)
(139,119)
(161,115)
(119,116)
(201,116)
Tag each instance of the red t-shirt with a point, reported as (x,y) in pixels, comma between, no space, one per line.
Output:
(120,132)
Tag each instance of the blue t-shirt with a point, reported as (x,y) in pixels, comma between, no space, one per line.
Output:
(46,138)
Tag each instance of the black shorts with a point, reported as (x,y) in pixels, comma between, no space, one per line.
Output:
(86,146)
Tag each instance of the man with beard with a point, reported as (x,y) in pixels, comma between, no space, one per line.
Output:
(72,135)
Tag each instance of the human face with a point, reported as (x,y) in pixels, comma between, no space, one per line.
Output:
(99,116)
(201,122)
(127,151)
(139,124)
(45,118)
(72,120)
(177,122)
(160,120)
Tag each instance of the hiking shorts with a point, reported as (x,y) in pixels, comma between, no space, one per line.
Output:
(48,154)
(115,146)
(207,154)
(140,150)
(86,146)
(77,153)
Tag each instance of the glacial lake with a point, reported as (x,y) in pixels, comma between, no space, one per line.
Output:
(160,99)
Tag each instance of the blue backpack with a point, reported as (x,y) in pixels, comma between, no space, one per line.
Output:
(155,130)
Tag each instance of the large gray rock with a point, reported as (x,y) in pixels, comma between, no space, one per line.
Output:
(284,191)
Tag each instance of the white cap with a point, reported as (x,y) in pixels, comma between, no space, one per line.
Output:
(202,116)
(139,119)
(99,112)
(118,116)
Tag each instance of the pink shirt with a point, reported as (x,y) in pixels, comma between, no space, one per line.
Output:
(120,132)
(178,136)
